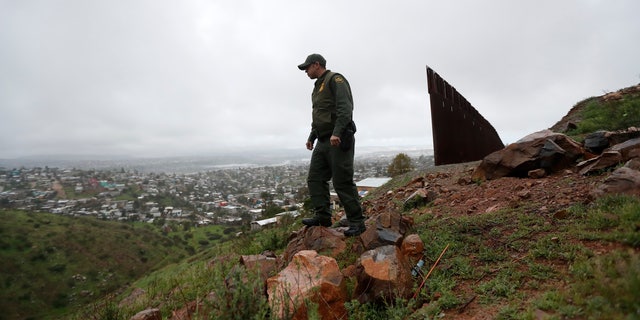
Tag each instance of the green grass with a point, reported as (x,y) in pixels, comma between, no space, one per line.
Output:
(52,263)
(608,115)
(210,277)
(501,257)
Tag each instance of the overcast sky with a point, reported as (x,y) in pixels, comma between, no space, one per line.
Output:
(192,77)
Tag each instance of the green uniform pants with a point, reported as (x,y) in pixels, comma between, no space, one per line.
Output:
(331,163)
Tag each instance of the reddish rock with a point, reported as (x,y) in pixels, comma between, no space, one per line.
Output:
(618,137)
(390,228)
(390,220)
(323,240)
(623,180)
(628,149)
(420,198)
(606,160)
(376,237)
(149,314)
(633,164)
(537,173)
(266,265)
(385,273)
(308,278)
(349,271)
(412,246)
(546,149)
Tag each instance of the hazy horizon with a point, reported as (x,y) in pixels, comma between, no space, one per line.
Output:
(229,159)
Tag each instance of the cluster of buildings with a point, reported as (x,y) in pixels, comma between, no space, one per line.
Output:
(224,196)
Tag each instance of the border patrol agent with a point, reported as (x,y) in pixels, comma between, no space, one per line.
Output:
(332,158)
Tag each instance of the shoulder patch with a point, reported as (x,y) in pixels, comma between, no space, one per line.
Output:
(338,79)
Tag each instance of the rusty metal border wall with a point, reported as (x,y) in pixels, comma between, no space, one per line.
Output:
(460,133)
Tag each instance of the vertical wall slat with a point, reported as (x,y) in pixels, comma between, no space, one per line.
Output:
(460,133)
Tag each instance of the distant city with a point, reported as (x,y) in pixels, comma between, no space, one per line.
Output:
(227,189)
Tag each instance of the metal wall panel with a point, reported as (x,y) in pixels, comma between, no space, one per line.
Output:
(460,133)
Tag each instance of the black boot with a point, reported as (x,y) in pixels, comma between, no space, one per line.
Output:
(315,221)
(355,230)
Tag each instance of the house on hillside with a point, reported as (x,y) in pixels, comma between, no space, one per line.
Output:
(259,224)
(369,184)
(155,212)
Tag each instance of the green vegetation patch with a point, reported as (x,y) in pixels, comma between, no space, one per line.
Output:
(500,258)
(612,115)
(53,263)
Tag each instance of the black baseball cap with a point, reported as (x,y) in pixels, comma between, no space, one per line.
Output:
(312,58)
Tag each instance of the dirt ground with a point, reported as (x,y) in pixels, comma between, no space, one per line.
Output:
(462,196)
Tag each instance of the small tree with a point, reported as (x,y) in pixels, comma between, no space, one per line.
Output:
(401,164)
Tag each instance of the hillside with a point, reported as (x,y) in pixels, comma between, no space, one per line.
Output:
(518,247)
(612,111)
(51,263)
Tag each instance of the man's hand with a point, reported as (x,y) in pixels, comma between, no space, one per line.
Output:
(335,141)
(309,145)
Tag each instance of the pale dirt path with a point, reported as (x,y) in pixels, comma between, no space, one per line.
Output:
(57,186)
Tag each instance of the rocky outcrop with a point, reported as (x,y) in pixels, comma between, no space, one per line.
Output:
(309,278)
(598,141)
(381,273)
(542,150)
(611,157)
(546,152)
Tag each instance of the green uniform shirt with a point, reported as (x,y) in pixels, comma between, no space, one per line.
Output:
(332,105)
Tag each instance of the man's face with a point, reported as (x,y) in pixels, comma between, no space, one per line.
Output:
(312,70)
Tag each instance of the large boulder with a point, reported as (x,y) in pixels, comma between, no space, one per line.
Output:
(545,149)
(384,274)
(309,280)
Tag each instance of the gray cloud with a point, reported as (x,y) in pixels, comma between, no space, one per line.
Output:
(155,78)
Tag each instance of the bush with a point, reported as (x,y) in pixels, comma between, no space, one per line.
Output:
(401,164)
